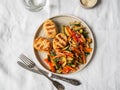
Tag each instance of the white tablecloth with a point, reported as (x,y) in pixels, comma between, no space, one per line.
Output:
(17,29)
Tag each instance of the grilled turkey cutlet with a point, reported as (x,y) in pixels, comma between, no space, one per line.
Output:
(42,44)
(50,28)
(60,41)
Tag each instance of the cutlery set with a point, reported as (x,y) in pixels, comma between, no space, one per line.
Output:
(28,64)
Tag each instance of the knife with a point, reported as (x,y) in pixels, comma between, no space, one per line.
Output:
(69,80)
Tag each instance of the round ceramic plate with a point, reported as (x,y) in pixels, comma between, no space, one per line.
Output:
(60,21)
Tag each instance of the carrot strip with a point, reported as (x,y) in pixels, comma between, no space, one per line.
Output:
(84,59)
(51,66)
(76,50)
(68,54)
(88,49)
(83,54)
(67,69)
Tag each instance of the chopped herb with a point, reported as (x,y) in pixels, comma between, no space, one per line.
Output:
(87,53)
(48,58)
(57,65)
(85,34)
(52,53)
(56,59)
(69,64)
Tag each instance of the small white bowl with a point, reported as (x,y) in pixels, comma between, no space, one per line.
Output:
(90,5)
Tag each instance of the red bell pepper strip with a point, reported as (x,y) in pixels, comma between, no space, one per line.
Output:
(51,66)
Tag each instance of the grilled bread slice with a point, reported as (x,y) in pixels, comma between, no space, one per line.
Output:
(42,44)
(50,28)
(59,42)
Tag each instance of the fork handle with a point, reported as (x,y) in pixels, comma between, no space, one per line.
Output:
(71,81)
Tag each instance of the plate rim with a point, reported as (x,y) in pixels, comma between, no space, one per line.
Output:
(92,36)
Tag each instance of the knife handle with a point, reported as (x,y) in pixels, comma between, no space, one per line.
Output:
(69,80)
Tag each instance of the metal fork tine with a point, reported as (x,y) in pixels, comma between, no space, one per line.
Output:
(24,59)
(28,59)
(21,62)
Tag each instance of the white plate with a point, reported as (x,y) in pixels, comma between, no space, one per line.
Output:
(60,21)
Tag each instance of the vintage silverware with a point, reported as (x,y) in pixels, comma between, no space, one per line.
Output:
(32,65)
(71,81)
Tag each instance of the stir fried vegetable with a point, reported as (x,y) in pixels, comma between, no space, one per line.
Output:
(74,54)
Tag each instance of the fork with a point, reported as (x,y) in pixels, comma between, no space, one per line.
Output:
(68,80)
(32,65)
